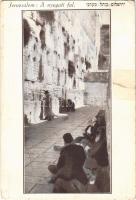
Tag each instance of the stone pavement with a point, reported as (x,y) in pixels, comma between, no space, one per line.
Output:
(39,143)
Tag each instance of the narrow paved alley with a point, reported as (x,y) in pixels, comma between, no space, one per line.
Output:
(39,142)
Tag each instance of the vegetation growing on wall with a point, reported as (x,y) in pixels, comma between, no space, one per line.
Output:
(88,64)
(27,31)
(47,15)
(42,38)
(71,69)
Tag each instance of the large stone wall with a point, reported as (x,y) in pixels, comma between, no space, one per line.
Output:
(96,94)
(104,56)
(60,47)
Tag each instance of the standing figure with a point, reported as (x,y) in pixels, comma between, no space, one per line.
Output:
(42,99)
(48,106)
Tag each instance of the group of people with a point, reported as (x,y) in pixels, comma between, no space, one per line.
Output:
(46,106)
(83,161)
(66,105)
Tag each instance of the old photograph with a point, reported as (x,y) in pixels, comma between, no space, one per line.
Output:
(67,101)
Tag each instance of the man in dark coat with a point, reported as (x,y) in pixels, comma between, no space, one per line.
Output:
(70,170)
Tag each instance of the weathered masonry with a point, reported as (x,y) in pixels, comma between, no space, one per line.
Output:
(60,48)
